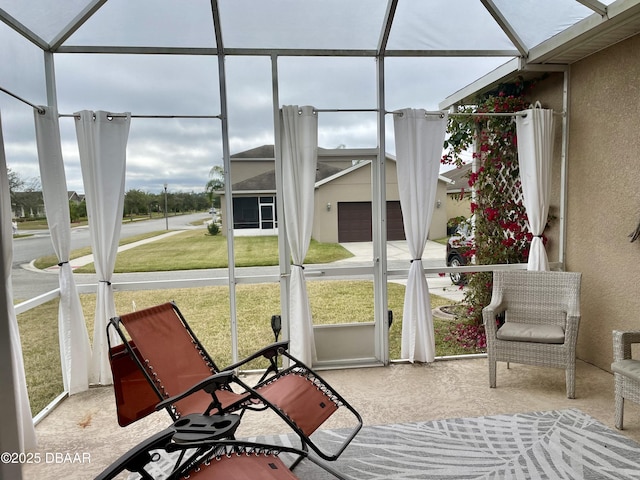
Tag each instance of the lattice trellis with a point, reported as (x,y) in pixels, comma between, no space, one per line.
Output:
(501,220)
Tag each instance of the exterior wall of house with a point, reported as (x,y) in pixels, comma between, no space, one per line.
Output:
(603,198)
(456,207)
(244,168)
(440,215)
(356,187)
(603,194)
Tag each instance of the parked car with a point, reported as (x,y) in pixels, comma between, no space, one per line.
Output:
(458,247)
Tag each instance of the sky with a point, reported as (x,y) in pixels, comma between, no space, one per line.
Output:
(181,152)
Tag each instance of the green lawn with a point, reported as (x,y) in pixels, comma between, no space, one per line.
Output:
(196,249)
(207,309)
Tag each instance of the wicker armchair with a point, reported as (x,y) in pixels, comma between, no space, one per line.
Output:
(533,318)
(626,372)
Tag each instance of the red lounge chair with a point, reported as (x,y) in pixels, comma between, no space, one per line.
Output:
(203,448)
(163,365)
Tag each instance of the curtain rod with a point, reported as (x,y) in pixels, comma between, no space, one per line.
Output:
(460,114)
(345,109)
(120,115)
(398,112)
(521,113)
(39,109)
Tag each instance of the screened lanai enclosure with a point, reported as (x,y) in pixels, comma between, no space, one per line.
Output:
(104,96)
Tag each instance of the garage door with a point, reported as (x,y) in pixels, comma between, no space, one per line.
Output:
(354,222)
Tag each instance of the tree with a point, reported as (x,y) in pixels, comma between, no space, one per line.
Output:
(215,184)
(136,202)
(77,211)
(15,182)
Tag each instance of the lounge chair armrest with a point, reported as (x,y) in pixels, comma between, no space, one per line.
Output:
(209,385)
(622,341)
(269,352)
(136,458)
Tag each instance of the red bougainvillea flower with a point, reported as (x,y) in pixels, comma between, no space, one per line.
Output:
(508,242)
(491,213)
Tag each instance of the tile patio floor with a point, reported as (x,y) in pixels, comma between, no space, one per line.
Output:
(85,424)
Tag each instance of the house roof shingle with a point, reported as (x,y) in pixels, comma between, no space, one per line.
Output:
(267,181)
(460,178)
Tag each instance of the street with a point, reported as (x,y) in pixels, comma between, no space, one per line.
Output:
(29,282)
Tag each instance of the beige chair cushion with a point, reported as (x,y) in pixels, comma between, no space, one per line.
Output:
(524,332)
(628,368)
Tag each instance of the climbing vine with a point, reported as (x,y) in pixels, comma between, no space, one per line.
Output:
(501,233)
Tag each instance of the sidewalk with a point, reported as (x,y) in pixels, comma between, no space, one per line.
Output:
(87,259)
(397,252)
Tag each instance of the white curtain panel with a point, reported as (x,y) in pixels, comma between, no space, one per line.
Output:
(26,430)
(535,154)
(299,160)
(419,137)
(75,349)
(102,142)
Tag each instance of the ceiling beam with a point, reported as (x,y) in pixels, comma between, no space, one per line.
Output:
(217,26)
(390,13)
(23,30)
(598,7)
(76,23)
(280,52)
(507,28)
(107,49)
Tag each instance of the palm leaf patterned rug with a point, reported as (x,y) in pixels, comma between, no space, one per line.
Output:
(554,445)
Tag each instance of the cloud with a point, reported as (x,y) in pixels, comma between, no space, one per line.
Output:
(182,151)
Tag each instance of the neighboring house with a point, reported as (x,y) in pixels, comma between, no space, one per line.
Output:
(27,205)
(458,192)
(31,204)
(76,197)
(342,196)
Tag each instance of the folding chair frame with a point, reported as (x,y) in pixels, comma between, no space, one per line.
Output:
(203,445)
(222,379)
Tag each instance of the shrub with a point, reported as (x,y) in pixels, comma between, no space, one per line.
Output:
(213,228)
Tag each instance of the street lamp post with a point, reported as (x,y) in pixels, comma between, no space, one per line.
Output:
(166,218)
